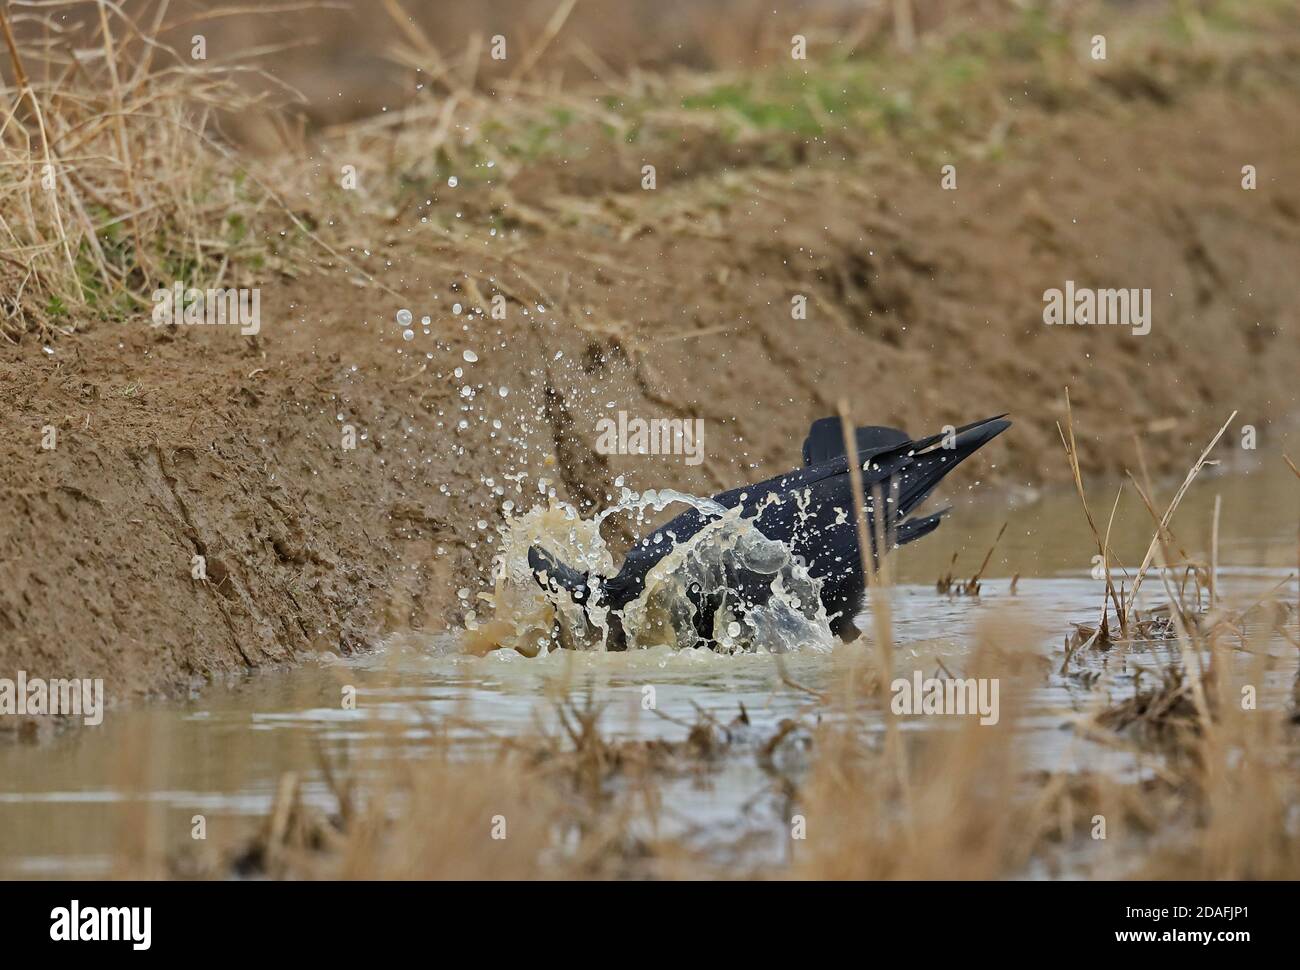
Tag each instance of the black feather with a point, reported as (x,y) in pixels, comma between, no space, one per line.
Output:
(826,440)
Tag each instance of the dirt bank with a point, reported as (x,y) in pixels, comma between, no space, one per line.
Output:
(924,308)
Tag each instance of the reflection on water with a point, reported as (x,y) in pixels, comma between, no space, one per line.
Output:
(133,786)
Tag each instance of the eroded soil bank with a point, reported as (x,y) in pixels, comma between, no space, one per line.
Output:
(924,308)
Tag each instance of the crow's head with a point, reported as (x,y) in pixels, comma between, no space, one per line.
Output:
(556,577)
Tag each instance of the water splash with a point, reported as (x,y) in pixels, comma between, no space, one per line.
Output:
(524,619)
(692,597)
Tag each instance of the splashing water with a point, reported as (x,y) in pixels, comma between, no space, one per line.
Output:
(704,569)
(697,575)
(525,619)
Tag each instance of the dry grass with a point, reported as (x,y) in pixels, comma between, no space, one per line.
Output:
(947,585)
(114,179)
(582,805)
(573,804)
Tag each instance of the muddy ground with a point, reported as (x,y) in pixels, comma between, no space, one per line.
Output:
(924,308)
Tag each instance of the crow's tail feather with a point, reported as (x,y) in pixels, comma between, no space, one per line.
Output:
(915,528)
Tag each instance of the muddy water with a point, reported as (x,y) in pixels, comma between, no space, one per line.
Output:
(97,801)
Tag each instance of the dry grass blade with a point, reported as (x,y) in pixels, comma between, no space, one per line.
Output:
(1072,454)
(553,27)
(1169,512)
(872,576)
(794,684)
(880,609)
(855,478)
(973,587)
(20,74)
(1214,553)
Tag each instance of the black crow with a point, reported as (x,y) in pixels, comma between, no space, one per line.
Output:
(810,511)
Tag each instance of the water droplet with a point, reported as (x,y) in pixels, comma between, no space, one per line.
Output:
(470,356)
(404,317)
(408,334)
(453,181)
